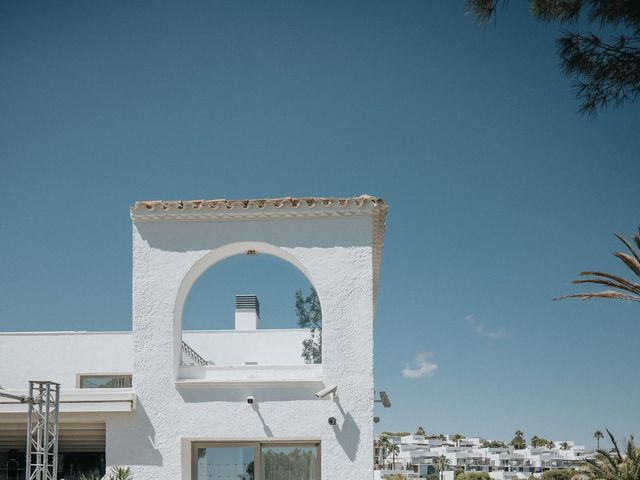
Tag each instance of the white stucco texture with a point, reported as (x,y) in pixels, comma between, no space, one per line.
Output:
(335,253)
(62,356)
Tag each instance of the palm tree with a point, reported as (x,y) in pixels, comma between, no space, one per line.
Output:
(565,446)
(623,289)
(551,444)
(456,438)
(535,441)
(598,435)
(518,442)
(382,444)
(420,431)
(614,465)
(442,463)
(393,449)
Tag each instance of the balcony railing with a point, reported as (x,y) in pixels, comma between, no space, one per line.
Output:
(192,355)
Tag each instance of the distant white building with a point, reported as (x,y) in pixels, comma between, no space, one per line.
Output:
(212,405)
(417,453)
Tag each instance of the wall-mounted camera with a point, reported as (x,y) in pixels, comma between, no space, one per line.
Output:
(250,400)
(330,390)
(332,421)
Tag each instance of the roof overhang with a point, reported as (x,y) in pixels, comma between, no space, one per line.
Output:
(78,400)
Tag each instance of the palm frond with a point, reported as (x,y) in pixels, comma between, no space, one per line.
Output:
(631,285)
(636,238)
(609,294)
(629,246)
(624,289)
(630,262)
(624,285)
(615,445)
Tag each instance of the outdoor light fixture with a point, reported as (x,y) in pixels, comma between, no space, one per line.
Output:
(376,419)
(384,399)
(332,421)
(251,252)
(250,399)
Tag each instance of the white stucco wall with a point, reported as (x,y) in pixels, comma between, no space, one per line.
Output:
(61,356)
(336,255)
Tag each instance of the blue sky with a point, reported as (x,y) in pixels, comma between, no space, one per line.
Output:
(498,192)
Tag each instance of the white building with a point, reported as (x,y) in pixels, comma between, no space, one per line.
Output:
(419,452)
(176,403)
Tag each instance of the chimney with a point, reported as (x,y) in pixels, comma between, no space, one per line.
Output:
(247,312)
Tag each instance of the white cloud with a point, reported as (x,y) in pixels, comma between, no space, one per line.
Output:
(423,368)
(481,330)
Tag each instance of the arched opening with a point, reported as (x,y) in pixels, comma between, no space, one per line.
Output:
(250,308)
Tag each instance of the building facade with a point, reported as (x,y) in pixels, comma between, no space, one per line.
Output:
(416,455)
(175,404)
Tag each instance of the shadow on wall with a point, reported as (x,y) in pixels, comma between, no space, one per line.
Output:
(240,394)
(139,447)
(209,235)
(265,427)
(347,434)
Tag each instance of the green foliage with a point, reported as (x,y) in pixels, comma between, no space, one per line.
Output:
(309,316)
(119,473)
(395,476)
(566,474)
(613,465)
(493,444)
(518,441)
(538,442)
(473,476)
(396,434)
(605,71)
(420,431)
(90,476)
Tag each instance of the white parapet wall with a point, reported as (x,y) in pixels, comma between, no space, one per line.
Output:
(240,347)
(62,356)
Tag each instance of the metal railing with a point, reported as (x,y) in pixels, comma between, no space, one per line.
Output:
(195,358)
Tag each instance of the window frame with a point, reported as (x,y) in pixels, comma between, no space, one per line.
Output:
(257,446)
(80,376)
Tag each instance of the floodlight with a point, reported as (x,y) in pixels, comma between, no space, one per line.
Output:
(384,399)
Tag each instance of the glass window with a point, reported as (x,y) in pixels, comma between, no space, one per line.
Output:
(105,381)
(289,463)
(225,463)
(256,461)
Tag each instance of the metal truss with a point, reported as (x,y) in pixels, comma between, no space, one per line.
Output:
(42,430)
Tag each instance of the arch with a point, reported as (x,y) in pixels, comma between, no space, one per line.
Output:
(211,259)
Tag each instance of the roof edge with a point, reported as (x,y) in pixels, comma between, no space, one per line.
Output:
(159,210)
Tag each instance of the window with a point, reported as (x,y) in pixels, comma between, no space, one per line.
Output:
(105,381)
(256,461)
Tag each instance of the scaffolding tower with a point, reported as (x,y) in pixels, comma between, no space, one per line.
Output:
(42,429)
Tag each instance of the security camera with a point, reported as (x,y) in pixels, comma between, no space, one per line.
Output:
(250,400)
(332,421)
(331,390)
